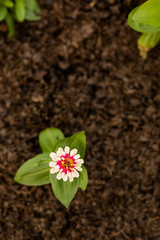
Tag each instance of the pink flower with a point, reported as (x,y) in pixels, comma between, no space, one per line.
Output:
(66,163)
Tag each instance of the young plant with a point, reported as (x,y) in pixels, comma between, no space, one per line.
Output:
(18,10)
(146,19)
(60,163)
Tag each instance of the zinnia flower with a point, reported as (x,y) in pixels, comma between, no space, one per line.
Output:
(66,163)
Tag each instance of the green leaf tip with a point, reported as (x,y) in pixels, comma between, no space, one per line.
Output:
(35,171)
(64,191)
(48,138)
(18,10)
(83,179)
(78,141)
(139,26)
(148,13)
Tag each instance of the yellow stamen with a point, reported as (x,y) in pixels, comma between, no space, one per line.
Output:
(67,163)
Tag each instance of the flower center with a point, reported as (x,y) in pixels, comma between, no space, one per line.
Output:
(67,163)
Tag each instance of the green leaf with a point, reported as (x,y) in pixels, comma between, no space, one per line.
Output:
(49,137)
(77,141)
(140,27)
(64,191)
(149,40)
(7,3)
(83,179)
(20,11)
(34,172)
(148,13)
(3,12)
(31,16)
(32,5)
(37,8)
(10,24)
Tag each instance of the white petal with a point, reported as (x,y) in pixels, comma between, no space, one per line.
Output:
(54,170)
(62,174)
(60,149)
(52,164)
(80,161)
(55,159)
(71,178)
(78,168)
(65,177)
(60,152)
(69,174)
(75,174)
(67,149)
(59,176)
(77,156)
(73,152)
(77,165)
(53,155)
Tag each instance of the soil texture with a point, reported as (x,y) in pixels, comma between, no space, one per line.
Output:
(79,69)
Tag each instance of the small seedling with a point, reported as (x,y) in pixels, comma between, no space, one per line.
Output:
(146,19)
(60,163)
(18,10)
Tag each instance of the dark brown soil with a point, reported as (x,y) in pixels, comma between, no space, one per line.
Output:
(79,69)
